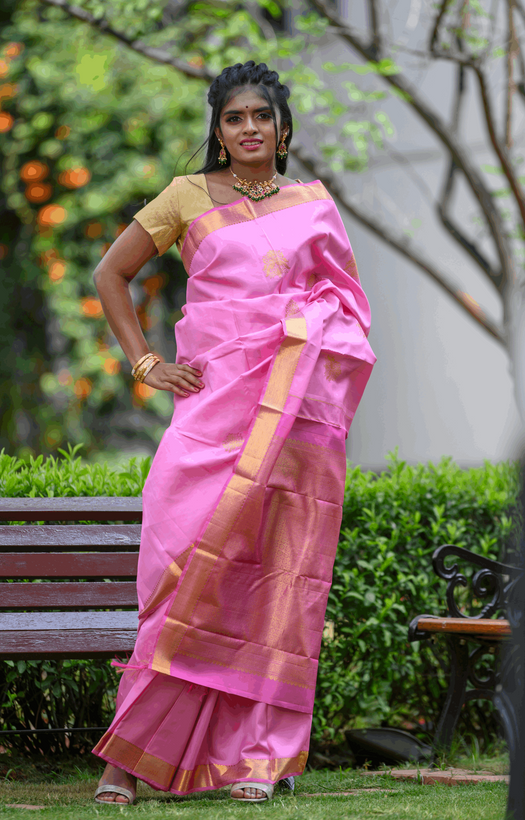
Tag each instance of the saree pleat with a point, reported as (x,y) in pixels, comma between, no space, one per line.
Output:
(190,738)
(243,503)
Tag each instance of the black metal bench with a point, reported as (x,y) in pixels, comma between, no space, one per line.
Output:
(470,639)
(68,590)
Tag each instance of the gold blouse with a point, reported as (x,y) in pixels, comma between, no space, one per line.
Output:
(168,217)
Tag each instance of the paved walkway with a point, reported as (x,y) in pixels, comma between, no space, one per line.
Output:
(449,777)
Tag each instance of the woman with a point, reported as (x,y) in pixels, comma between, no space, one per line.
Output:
(243,503)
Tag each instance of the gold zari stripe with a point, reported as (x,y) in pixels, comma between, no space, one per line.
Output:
(247,481)
(206,776)
(246,211)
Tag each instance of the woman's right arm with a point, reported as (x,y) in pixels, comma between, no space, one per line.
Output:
(126,256)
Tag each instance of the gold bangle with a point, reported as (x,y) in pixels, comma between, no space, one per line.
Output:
(149,366)
(138,375)
(140,369)
(140,361)
(140,372)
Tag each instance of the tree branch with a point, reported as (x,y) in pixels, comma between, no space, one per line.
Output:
(432,118)
(432,44)
(400,243)
(521,85)
(157,54)
(375,44)
(443,207)
(498,148)
(512,53)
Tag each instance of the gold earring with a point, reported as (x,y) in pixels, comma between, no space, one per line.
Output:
(223,159)
(282,151)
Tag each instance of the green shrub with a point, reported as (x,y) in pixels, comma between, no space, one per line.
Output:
(69,476)
(383,577)
(73,693)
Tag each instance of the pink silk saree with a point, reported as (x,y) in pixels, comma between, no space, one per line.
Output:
(243,503)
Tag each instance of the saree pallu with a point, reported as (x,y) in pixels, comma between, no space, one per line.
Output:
(243,503)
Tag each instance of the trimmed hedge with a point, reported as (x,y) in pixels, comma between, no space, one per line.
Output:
(383,578)
(368,673)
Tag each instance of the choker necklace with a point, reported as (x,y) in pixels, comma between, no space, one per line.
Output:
(256,190)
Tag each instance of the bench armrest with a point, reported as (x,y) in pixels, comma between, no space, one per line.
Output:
(493,580)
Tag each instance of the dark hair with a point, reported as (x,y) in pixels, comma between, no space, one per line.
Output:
(221,90)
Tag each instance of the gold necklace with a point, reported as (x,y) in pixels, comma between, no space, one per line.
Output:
(254,189)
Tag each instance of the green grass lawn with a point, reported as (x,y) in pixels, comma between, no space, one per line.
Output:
(70,797)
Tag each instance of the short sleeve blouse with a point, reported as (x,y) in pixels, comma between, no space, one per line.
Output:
(168,217)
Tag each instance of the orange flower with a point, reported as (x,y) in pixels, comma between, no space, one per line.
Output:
(47,256)
(4,68)
(53,436)
(74,177)
(38,191)
(93,229)
(34,171)
(196,61)
(7,91)
(6,122)
(3,251)
(57,270)
(51,215)
(91,307)
(62,132)
(143,317)
(83,388)
(13,50)
(120,229)
(143,392)
(153,284)
(112,366)
(105,248)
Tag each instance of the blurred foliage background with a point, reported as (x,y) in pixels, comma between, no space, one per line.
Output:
(88,135)
(91,130)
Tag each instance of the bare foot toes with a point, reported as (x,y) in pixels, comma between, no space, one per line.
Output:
(244,792)
(117,777)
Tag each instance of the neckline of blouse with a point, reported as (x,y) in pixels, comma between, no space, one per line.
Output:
(297,182)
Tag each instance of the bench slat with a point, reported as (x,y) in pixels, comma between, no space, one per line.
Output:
(89,508)
(68,595)
(489,628)
(67,635)
(67,621)
(67,536)
(68,565)
(56,645)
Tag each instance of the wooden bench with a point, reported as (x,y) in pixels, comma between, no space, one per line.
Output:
(471,640)
(68,590)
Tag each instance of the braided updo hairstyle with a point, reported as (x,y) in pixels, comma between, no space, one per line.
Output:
(222,90)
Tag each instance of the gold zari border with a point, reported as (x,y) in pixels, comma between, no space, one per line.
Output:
(168,777)
(247,480)
(244,211)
